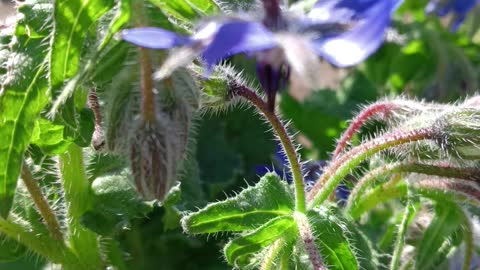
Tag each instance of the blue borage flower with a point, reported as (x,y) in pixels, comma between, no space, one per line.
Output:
(344,32)
(312,170)
(459,9)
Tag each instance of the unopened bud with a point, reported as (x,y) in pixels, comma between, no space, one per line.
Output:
(153,159)
(458,132)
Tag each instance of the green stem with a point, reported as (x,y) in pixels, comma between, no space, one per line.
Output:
(114,254)
(400,242)
(342,166)
(53,250)
(41,204)
(379,195)
(79,199)
(272,253)
(469,174)
(293,160)
(368,180)
(469,245)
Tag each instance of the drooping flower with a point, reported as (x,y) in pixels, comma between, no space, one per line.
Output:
(344,32)
(459,9)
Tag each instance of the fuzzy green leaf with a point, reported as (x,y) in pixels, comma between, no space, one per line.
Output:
(436,241)
(258,239)
(332,239)
(254,206)
(116,203)
(185,10)
(73,18)
(23,96)
(49,137)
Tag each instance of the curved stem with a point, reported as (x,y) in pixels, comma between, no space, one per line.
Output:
(41,204)
(250,95)
(469,245)
(53,250)
(400,241)
(444,170)
(381,194)
(365,115)
(272,254)
(340,167)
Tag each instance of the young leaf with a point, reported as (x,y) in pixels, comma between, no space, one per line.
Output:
(254,206)
(258,239)
(332,239)
(49,137)
(73,18)
(430,251)
(23,95)
(116,203)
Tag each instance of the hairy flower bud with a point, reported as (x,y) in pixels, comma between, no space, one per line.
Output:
(459,132)
(153,159)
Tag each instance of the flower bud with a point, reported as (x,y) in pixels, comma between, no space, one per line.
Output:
(153,158)
(458,132)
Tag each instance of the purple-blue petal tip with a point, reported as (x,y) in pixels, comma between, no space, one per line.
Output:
(154,38)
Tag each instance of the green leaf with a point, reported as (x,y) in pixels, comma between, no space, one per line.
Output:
(73,18)
(258,239)
(116,203)
(254,206)
(49,137)
(437,239)
(179,9)
(207,7)
(23,96)
(332,239)
(10,250)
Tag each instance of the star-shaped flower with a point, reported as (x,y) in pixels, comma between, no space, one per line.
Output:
(459,8)
(344,32)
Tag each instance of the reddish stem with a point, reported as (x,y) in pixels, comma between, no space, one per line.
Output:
(360,119)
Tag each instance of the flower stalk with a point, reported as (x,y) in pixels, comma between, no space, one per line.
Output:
(365,115)
(342,166)
(41,203)
(278,127)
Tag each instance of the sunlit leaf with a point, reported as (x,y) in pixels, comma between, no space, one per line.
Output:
(252,207)
(23,96)
(260,238)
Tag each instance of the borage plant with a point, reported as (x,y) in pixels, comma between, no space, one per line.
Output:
(100,132)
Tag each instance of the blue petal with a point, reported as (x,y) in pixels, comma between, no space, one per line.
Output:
(457,22)
(354,46)
(154,38)
(462,7)
(345,10)
(237,37)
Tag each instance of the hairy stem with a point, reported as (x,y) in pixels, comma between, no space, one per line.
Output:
(41,203)
(293,160)
(365,115)
(469,244)
(54,250)
(148,97)
(381,194)
(444,170)
(272,253)
(308,238)
(400,241)
(78,199)
(340,167)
